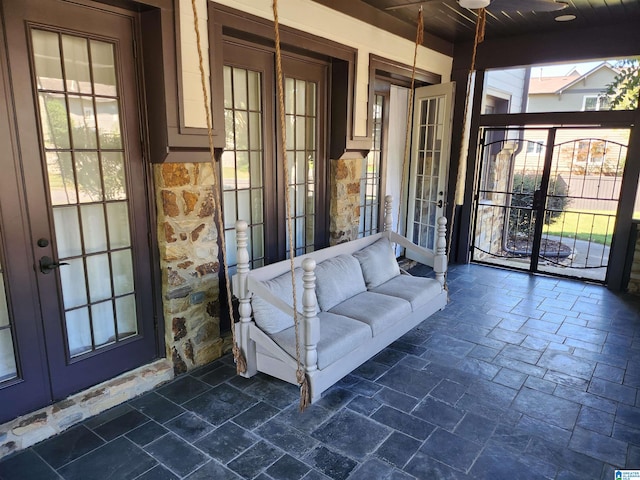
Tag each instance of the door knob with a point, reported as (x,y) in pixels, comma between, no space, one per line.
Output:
(47,265)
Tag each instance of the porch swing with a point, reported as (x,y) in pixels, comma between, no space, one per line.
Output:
(312,319)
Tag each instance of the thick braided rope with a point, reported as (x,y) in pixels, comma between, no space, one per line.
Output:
(300,374)
(479,38)
(407,138)
(241,364)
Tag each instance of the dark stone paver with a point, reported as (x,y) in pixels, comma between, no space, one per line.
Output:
(556,411)
(180,456)
(351,434)
(519,377)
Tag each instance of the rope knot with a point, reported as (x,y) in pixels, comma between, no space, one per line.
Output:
(305,399)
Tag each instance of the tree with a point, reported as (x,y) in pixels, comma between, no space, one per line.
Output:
(624,91)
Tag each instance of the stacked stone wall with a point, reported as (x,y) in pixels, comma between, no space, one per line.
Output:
(345,200)
(187,242)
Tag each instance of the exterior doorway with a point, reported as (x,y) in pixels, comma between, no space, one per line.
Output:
(547,199)
(75,225)
(428,172)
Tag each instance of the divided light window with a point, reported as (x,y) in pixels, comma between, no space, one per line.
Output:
(370,179)
(301,119)
(242,176)
(79,106)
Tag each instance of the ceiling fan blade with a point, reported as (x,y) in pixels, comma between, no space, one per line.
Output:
(410,4)
(527,5)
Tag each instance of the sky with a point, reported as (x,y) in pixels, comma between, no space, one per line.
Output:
(558,70)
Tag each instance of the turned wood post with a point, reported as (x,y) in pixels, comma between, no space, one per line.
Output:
(310,319)
(440,259)
(245,343)
(388,213)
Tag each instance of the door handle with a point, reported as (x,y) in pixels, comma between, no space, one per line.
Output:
(47,265)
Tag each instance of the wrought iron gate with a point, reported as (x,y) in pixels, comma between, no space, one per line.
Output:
(546,199)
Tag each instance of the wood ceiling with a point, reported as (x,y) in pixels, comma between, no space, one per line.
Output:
(446,20)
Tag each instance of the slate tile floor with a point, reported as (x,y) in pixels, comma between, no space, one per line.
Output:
(521,377)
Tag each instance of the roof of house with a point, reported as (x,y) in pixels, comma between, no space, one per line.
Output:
(539,85)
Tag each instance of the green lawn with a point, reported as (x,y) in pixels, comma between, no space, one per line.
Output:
(593,225)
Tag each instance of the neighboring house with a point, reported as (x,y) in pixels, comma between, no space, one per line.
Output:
(572,92)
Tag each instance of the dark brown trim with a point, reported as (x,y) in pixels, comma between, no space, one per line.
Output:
(241,25)
(170,140)
(569,45)
(373,16)
(401,72)
(31,389)
(244,25)
(616,278)
(583,119)
(394,73)
(131,5)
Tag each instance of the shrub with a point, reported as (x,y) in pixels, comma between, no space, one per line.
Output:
(520,215)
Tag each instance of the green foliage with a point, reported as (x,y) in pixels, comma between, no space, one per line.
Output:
(86,166)
(624,91)
(524,186)
(588,225)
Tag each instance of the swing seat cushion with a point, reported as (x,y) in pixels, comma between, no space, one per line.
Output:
(416,290)
(378,263)
(338,336)
(338,279)
(378,311)
(270,318)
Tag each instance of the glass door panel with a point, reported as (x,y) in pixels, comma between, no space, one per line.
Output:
(87,186)
(371,173)
(429,161)
(242,161)
(301,120)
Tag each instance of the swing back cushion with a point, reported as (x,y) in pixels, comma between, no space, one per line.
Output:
(378,263)
(270,318)
(338,279)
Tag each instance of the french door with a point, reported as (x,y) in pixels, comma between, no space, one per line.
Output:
(253,175)
(76,263)
(431,144)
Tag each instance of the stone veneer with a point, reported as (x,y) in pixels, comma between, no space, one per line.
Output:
(187,243)
(344,210)
(188,251)
(634,280)
(39,425)
(490,219)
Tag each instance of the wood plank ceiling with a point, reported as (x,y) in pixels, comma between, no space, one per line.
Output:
(450,22)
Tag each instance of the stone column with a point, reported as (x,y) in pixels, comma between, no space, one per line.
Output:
(187,243)
(344,200)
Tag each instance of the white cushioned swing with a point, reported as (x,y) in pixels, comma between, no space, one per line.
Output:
(353,301)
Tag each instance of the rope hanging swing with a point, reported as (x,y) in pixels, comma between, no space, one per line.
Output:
(241,363)
(481,23)
(407,137)
(301,377)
